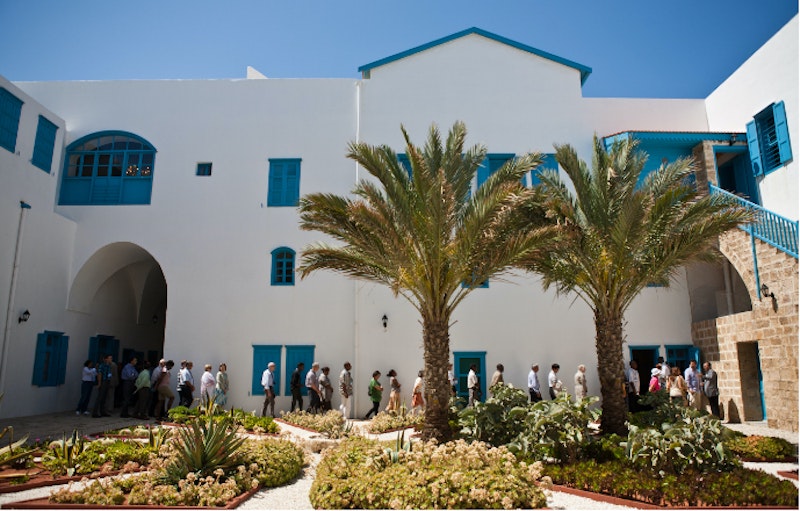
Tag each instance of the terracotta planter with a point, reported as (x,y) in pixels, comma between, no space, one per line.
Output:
(45,478)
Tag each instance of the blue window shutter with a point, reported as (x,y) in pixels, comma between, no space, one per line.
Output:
(263,355)
(94,349)
(10,108)
(276,184)
(40,360)
(292,183)
(61,369)
(782,131)
(694,354)
(483,172)
(284,182)
(282,269)
(548,162)
(405,162)
(753,147)
(44,144)
(295,355)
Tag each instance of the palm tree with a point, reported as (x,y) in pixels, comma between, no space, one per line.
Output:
(427,236)
(622,231)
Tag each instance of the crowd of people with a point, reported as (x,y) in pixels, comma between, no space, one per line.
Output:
(693,388)
(147,391)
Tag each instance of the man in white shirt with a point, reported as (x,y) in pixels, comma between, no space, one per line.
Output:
(665,372)
(473,384)
(268,382)
(533,384)
(553,382)
(451,377)
(153,390)
(186,385)
(312,384)
(345,390)
(692,377)
(633,386)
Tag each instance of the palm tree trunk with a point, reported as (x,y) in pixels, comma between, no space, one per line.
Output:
(436,348)
(611,370)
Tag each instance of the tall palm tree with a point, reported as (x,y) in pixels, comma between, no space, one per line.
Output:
(424,233)
(622,231)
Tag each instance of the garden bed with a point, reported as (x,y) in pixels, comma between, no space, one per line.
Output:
(44,503)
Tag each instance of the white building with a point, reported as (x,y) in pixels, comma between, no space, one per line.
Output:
(162,222)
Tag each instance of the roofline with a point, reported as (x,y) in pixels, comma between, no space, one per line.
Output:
(585,71)
(679,136)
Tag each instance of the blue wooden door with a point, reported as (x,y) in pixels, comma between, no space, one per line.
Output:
(102,345)
(263,355)
(462,361)
(295,355)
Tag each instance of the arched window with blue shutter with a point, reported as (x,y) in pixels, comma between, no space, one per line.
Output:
(282,267)
(108,168)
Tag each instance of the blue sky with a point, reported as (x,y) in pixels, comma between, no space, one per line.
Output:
(636,48)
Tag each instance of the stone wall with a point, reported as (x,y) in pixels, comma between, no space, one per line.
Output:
(768,333)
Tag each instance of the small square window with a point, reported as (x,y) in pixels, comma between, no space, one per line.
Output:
(204,169)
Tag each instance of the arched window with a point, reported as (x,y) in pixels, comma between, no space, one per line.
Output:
(282,267)
(109,167)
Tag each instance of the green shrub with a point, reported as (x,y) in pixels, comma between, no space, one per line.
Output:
(762,448)
(384,422)
(689,443)
(330,424)
(274,462)
(182,414)
(360,474)
(257,424)
(495,421)
(737,487)
(663,411)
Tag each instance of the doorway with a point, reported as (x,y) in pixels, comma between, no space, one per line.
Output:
(735,173)
(646,358)
(752,382)
(462,361)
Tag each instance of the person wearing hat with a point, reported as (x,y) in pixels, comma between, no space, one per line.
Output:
(268,382)
(655,382)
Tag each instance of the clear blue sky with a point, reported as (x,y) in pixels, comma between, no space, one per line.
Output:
(636,48)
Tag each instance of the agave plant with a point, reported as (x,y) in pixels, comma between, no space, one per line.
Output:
(14,450)
(203,447)
(65,451)
(156,437)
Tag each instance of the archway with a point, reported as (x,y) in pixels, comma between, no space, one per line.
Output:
(120,298)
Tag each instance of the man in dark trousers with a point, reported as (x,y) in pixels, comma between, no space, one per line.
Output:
(295,385)
(128,377)
(104,377)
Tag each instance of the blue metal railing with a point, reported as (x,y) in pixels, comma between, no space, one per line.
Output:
(769,227)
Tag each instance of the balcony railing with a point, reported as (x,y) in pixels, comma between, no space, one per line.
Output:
(769,227)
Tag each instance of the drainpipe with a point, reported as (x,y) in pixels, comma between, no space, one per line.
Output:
(356,295)
(11,291)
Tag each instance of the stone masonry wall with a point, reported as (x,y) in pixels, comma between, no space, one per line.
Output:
(727,342)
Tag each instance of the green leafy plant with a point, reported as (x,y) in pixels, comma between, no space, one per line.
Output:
(762,448)
(384,422)
(257,424)
(14,452)
(182,414)
(661,411)
(62,454)
(696,443)
(330,424)
(204,447)
(496,420)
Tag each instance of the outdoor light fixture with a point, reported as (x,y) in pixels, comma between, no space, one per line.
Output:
(765,292)
(385,321)
(25,316)
(733,139)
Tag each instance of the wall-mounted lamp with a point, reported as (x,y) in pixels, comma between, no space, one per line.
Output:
(25,316)
(733,139)
(385,321)
(765,292)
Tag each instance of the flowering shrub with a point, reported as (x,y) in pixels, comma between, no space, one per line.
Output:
(330,424)
(264,462)
(384,422)
(762,448)
(361,474)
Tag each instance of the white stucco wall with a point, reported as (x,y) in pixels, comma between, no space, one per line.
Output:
(769,76)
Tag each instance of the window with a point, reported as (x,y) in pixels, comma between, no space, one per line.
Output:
(295,355)
(282,267)
(263,355)
(10,108)
(680,355)
(204,169)
(110,167)
(548,162)
(50,364)
(44,144)
(284,182)
(768,139)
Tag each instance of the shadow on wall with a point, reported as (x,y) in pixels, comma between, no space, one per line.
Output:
(733,412)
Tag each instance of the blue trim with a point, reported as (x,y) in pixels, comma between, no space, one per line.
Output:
(10,108)
(50,362)
(585,71)
(204,169)
(263,355)
(462,375)
(284,182)
(294,355)
(282,268)
(24,205)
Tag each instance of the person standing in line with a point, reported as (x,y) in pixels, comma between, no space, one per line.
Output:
(534,389)
(154,374)
(553,383)
(665,372)
(692,378)
(633,386)
(112,400)
(88,381)
(164,389)
(677,387)
(345,390)
(186,385)
(221,389)
(104,377)
(417,399)
(295,386)
(497,378)
(326,388)
(375,392)
(474,385)
(141,391)
(711,389)
(655,380)
(394,394)
(451,377)
(312,384)
(207,385)
(268,382)
(128,377)
(580,383)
